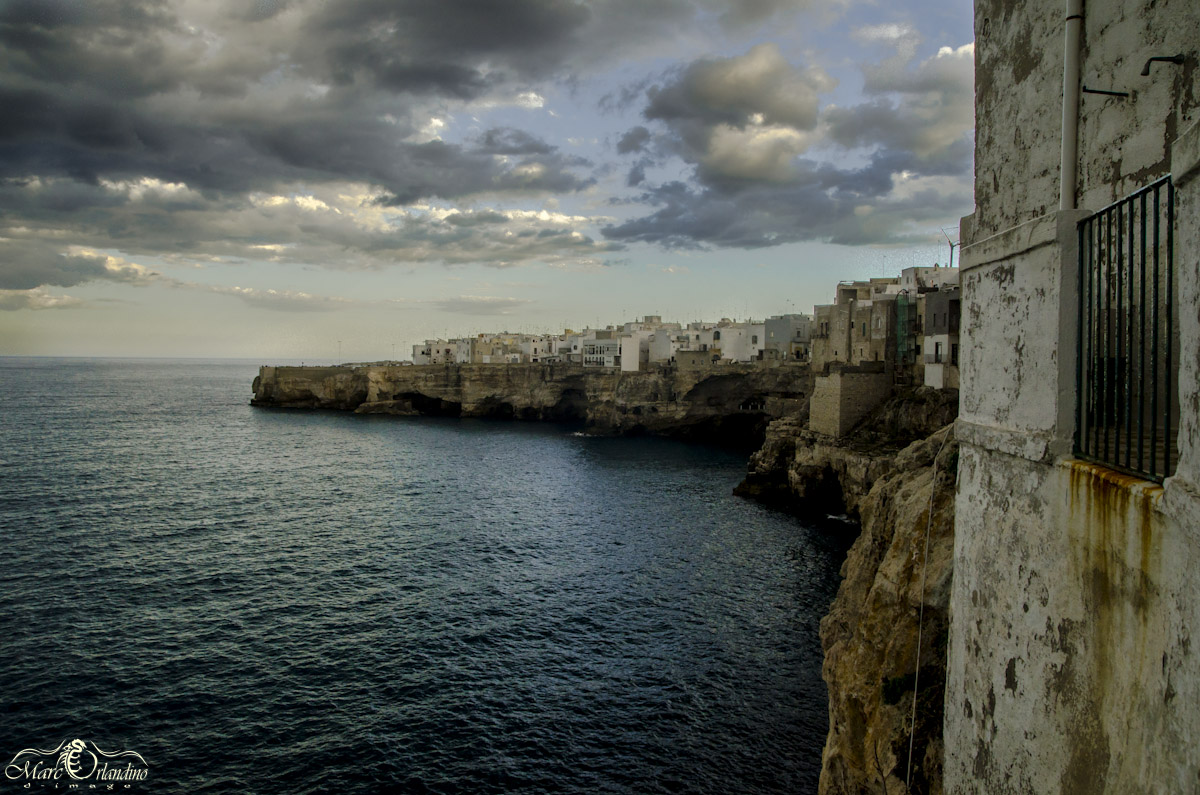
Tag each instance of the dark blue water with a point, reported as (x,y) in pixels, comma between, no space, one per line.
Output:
(264,601)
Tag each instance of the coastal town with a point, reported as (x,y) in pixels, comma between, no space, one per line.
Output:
(904,328)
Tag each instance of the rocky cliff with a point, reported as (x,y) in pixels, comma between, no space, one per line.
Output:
(728,404)
(808,473)
(870,637)
(896,475)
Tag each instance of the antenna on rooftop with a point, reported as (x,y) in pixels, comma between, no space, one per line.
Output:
(952,243)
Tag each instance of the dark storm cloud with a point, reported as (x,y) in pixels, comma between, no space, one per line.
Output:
(507,141)
(305,131)
(636,175)
(126,89)
(633,141)
(400,45)
(822,204)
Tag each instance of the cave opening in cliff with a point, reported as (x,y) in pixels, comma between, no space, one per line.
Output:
(431,406)
(570,407)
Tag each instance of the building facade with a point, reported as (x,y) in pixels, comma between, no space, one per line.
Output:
(1072,661)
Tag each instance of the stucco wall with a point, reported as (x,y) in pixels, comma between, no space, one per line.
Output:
(1074,603)
(1074,595)
(1071,667)
(1123,142)
(1126,142)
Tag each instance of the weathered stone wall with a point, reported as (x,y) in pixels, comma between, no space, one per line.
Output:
(1073,602)
(1071,660)
(1124,142)
(841,400)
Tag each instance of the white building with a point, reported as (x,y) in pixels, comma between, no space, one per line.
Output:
(788,336)
(922,279)
(601,349)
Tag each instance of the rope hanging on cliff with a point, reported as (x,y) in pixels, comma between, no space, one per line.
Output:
(912,729)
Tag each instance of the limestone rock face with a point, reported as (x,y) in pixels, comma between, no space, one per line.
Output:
(810,473)
(729,404)
(339,388)
(870,636)
(883,478)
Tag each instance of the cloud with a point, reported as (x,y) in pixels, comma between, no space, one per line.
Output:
(754,135)
(12,300)
(342,226)
(735,90)
(633,141)
(481,305)
(736,119)
(508,141)
(927,110)
(352,136)
(29,264)
(278,300)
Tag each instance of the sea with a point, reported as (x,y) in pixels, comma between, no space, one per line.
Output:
(276,601)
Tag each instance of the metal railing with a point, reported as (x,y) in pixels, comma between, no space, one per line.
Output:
(1127,370)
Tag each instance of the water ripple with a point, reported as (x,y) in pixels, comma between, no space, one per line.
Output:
(288,602)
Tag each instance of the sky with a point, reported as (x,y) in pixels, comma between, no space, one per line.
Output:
(320,180)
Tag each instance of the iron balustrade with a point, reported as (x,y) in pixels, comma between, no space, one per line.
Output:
(1126,367)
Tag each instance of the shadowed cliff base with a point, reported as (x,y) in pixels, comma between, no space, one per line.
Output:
(808,473)
(728,405)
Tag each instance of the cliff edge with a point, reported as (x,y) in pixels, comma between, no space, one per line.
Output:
(894,596)
(726,404)
(896,475)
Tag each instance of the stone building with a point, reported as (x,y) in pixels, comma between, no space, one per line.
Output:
(1073,664)
(788,336)
(943,310)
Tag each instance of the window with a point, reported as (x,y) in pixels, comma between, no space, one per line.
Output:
(937,353)
(954,354)
(754,339)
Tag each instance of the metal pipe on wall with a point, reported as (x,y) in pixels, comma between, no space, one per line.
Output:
(1072,37)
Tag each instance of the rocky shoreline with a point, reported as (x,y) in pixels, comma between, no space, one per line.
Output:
(894,475)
